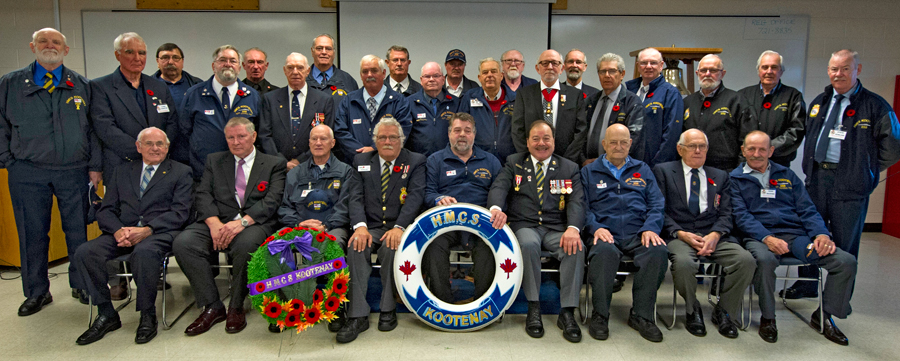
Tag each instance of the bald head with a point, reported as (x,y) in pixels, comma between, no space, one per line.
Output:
(432,79)
(617,143)
(549,66)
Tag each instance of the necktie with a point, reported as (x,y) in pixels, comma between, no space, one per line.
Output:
(372,108)
(397,88)
(240,181)
(385,175)
(226,100)
(642,92)
(48,83)
(598,130)
(824,140)
(295,113)
(434,107)
(694,200)
(548,104)
(145,178)
(324,78)
(540,183)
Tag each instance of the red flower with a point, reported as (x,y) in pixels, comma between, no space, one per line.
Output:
(295,305)
(332,303)
(339,286)
(298,228)
(707,104)
(270,239)
(448,96)
(397,169)
(241,93)
(337,264)
(851,112)
(584,95)
(320,237)
(636,175)
(773,182)
(318,296)
(650,95)
(330,237)
(149,92)
(312,315)
(711,181)
(273,309)
(262,186)
(333,88)
(615,108)
(503,103)
(767,105)
(69,83)
(284,231)
(260,287)
(292,319)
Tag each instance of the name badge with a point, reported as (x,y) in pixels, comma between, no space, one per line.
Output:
(837,134)
(767,193)
(451,173)
(421,116)
(162,108)
(357,121)
(363,168)
(601,185)
(209,112)
(305,193)
(77,100)
(475,103)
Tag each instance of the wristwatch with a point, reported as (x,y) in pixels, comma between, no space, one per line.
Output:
(244,222)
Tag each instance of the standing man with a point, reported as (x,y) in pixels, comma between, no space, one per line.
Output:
(289,114)
(145,206)
(624,215)
(779,108)
(49,148)
(381,208)
(431,109)
(557,104)
(208,106)
(544,214)
(400,81)
(324,75)
(362,109)
(170,60)
(236,202)
(513,65)
(492,107)
(455,65)
(576,64)
(614,105)
(126,102)
(853,136)
(663,108)
(255,63)
(719,112)
(698,224)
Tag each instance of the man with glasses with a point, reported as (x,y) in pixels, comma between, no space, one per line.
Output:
(721,113)
(663,108)
(556,103)
(170,60)
(324,75)
(456,81)
(575,65)
(492,107)
(398,60)
(613,105)
(255,63)
(513,67)
(431,109)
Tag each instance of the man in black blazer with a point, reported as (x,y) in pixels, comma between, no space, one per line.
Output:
(698,223)
(382,205)
(126,102)
(613,104)
(288,114)
(236,203)
(546,213)
(399,79)
(564,109)
(146,204)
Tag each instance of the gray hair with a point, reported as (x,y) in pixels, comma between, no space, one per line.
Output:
(770,52)
(388,121)
(681,138)
(847,51)
(147,130)
(485,60)
(302,57)
(34,36)
(721,63)
(381,64)
(222,48)
(503,56)
(257,49)
(238,121)
(620,63)
(650,49)
(125,37)
(397,48)
(333,43)
(422,72)
(465,117)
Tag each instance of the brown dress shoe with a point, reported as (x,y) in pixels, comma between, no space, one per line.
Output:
(118,292)
(236,321)
(207,319)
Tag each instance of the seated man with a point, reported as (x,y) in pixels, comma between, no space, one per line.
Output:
(382,205)
(777,218)
(698,224)
(147,203)
(547,212)
(625,214)
(461,172)
(236,202)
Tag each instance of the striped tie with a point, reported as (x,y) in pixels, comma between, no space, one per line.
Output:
(385,175)
(48,83)
(540,182)
(145,178)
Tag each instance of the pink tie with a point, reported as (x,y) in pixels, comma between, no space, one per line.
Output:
(240,181)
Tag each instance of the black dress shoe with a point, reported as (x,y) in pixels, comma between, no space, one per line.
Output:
(205,321)
(767,330)
(567,323)
(351,329)
(387,320)
(599,328)
(832,332)
(618,283)
(101,326)
(146,330)
(81,295)
(534,327)
(723,321)
(645,327)
(336,324)
(797,293)
(34,304)
(273,328)
(693,322)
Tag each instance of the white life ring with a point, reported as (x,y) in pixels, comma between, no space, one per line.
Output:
(411,284)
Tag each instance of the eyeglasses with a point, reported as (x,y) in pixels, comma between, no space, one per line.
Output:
(609,72)
(575,61)
(512,61)
(712,71)
(174,58)
(548,63)
(384,138)
(226,61)
(158,144)
(438,76)
(649,63)
(695,147)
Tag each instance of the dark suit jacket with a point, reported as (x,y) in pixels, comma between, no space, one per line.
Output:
(630,114)
(717,217)
(571,126)
(588,91)
(275,122)
(117,118)
(166,203)
(404,195)
(414,86)
(522,206)
(215,194)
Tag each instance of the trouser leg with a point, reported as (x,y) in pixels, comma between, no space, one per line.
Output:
(764,277)
(70,188)
(386,257)
(739,267)
(603,262)
(571,269)
(841,268)
(145,263)
(483,269)
(193,250)
(360,264)
(241,247)
(90,259)
(651,262)
(437,266)
(530,244)
(684,271)
(31,196)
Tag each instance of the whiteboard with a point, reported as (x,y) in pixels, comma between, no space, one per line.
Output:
(742,40)
(198,33)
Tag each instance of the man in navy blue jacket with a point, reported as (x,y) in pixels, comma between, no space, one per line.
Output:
(663,108)
(431,109)
(624,215)
(492,107)
(776,218)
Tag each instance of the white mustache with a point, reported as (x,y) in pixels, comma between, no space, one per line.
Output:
(370,79)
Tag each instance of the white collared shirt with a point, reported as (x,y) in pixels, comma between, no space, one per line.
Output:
(248,165)
(687,185)
(403,84)
(456,92)
(554,103)
(580,83)
(232,91)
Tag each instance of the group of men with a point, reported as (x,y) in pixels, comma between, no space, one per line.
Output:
(590,175)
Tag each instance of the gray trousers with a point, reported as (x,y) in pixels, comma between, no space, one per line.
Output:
(360,264)
(436,263)
(739,268)
(571,268)
(603,262)
(841,268)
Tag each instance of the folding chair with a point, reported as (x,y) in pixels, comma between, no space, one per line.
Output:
(718,277)
(789,262)
(586,307)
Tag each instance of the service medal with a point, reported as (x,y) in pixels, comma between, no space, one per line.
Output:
(518,181)
(569,186)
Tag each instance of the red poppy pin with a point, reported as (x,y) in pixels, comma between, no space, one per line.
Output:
(397,169)
(503,103)
(448,96)
(149,92)
(262,186)
(650,95)
(711,181)
(241,93)
(773,182)
(615,108)
(707,104)
(851,112)
(69,83)
(584,95)
(636,175)
(333,88)
(767,105)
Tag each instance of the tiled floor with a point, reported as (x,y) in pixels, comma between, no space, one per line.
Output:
(872,329)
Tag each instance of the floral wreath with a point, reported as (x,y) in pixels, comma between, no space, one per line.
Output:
(298,305)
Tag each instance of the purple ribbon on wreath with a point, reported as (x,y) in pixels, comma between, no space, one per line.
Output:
(302,244)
